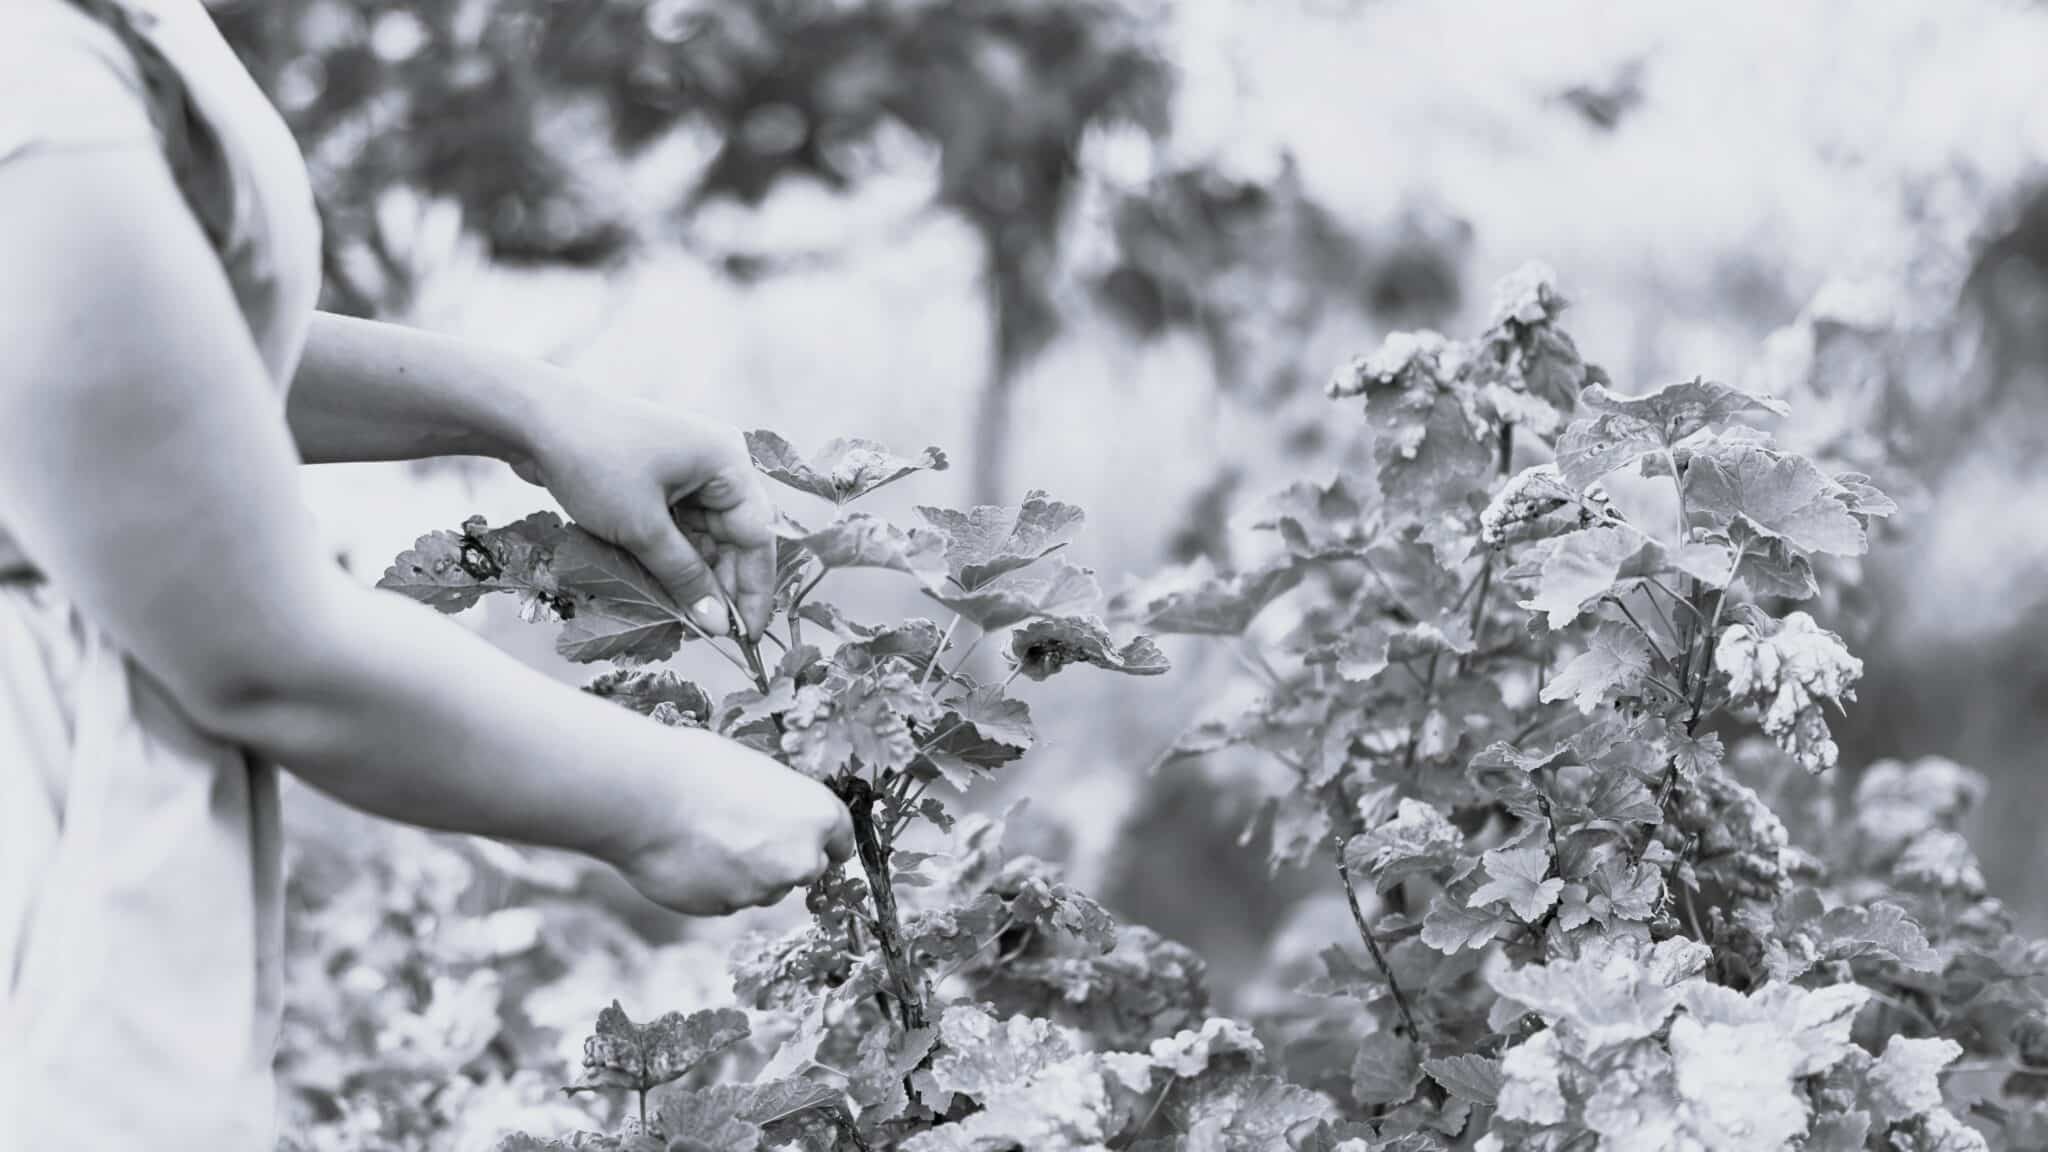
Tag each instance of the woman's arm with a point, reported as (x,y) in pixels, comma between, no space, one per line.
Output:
(367,390)
(622,468)
(147,470)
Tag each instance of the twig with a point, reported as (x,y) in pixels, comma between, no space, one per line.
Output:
(904,809)
(859,797)
(1421,714)
(1478,627)
(938,652)
(852,1132)
(1372,944)
(1681,601)
(966,654)
(729,657)
(1692,917)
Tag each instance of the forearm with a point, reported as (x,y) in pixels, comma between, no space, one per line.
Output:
(373,391)
(405,714)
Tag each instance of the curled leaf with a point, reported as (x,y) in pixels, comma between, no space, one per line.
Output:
(1043,647)
(664,695)
(843,470)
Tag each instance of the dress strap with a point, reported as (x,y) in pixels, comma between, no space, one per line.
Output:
(198,162)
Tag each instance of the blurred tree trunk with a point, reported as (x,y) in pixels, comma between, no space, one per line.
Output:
(993,419)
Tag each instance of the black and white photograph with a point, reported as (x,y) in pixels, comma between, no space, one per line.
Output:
(1023,576)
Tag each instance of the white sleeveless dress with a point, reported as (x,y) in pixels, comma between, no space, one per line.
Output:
(140,876)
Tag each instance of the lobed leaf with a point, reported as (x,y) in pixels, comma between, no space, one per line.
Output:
(1521,878)
(1471,1078)
(1011,599)
(1321,520)
(1777,495)
(1582,567)
(660,694)
(989,540)
(860,540)
(843,470)
(1607,1001)
(1196,601)
(1417,839)
(1044,647)
(451,571)
(864,720)
(622,613)
(980,732)
(1678,410)
(1454,923)
(1386,1071)
(641,1057)
(1065,1107)
(1615,659)
(1906,1080)
(978,1055)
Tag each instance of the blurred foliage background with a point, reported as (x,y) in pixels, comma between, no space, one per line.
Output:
(1112,248)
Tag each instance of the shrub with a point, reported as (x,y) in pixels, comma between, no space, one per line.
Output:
(1531,700)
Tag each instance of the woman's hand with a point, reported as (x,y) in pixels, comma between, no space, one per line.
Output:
(738,830)
(677,491)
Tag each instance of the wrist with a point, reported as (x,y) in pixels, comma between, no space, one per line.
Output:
(531,399)
(643,803)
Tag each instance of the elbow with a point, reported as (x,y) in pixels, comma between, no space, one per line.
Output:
(275,695)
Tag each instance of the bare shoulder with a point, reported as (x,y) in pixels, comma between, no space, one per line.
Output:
(66,81)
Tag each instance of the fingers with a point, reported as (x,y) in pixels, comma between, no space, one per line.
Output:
(744,521)
(754,586)
(684,575)
(839,841)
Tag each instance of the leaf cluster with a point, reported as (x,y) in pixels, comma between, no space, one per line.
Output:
(1532,671)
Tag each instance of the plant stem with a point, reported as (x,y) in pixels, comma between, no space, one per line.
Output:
(796,602)
(966,654)
(752,651)
(1678,486)
(1650,638)
(911,795)
(729,657)
(1478,628)
(1703,658)
(939,651)
(1421,715)
(1681,601)
(859,797)
(846,1125)
(1372,944)
(1485,585)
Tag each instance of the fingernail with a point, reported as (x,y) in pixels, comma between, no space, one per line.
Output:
(710,616)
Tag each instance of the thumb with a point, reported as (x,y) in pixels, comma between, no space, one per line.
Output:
(688,580)
(839,841)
